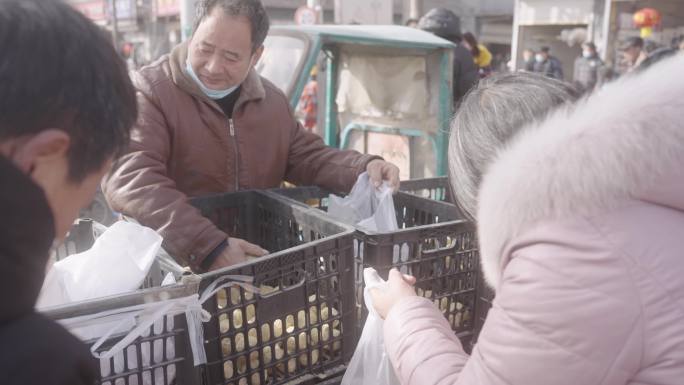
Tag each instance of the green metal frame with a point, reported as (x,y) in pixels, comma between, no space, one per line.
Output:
(327,43)
(380,42)
(410,132)
(330,136)
(445,111)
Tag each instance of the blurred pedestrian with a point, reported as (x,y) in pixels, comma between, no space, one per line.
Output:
(66,108)
(500,62)
(633,52)
(481,55)
(547,65)
(528,59)
(588,68)
(308,102)
(640,55)
(445,24)
(656,56)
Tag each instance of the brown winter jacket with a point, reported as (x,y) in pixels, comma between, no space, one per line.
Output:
(184,146)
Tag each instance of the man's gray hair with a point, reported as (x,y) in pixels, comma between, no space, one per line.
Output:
(253,10)
(488,117)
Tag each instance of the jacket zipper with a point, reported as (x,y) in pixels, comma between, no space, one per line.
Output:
(237,157)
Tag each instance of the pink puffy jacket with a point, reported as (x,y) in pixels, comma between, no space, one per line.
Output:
(581,224)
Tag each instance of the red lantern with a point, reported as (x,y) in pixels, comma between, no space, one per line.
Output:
(646,19)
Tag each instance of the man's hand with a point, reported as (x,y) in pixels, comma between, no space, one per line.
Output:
(400,286)
(238,251)
(379,170)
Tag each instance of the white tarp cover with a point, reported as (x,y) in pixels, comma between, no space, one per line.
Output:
(383,86)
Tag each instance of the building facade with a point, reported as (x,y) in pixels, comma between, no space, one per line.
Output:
(564,25)
(149,28)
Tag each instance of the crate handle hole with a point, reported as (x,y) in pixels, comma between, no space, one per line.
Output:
(298,273)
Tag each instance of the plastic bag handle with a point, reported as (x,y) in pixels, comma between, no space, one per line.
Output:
(148,314)
(132,335)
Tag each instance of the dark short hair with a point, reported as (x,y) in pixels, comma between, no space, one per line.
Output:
(545,49)
(253,10)
(590,45)
(59,70)
(470,39)
(443,23)
(633,42)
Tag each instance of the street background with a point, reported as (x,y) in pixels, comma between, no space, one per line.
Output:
(146,29)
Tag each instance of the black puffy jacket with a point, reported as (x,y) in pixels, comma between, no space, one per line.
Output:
(466,73)
(445,24)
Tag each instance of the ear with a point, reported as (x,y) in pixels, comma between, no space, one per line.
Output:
(46,147)
(257,55)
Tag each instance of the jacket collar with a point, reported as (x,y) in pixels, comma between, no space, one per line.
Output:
(26,235)
(624,143)
(252,89)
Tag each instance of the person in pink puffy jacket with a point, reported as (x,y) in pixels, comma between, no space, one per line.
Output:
(581,231)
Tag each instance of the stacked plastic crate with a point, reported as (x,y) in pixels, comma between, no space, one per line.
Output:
(440,190)
(433,243)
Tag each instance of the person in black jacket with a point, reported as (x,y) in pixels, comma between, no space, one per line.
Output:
(66,108)
(445,24)
(589,68)
(548,65)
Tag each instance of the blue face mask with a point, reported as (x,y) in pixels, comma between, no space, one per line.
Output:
(211,94)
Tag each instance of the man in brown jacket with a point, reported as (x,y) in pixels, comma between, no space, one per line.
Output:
(209,124)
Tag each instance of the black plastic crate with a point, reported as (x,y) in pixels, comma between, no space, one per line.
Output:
(302,329)
(439,189)
(161,356)
(433,243)
(431,188)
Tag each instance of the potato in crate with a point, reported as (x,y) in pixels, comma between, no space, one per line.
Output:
(300,325)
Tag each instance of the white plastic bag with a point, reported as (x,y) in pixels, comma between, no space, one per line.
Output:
(371,209)
(365,206)
(117,263)
(370,364)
